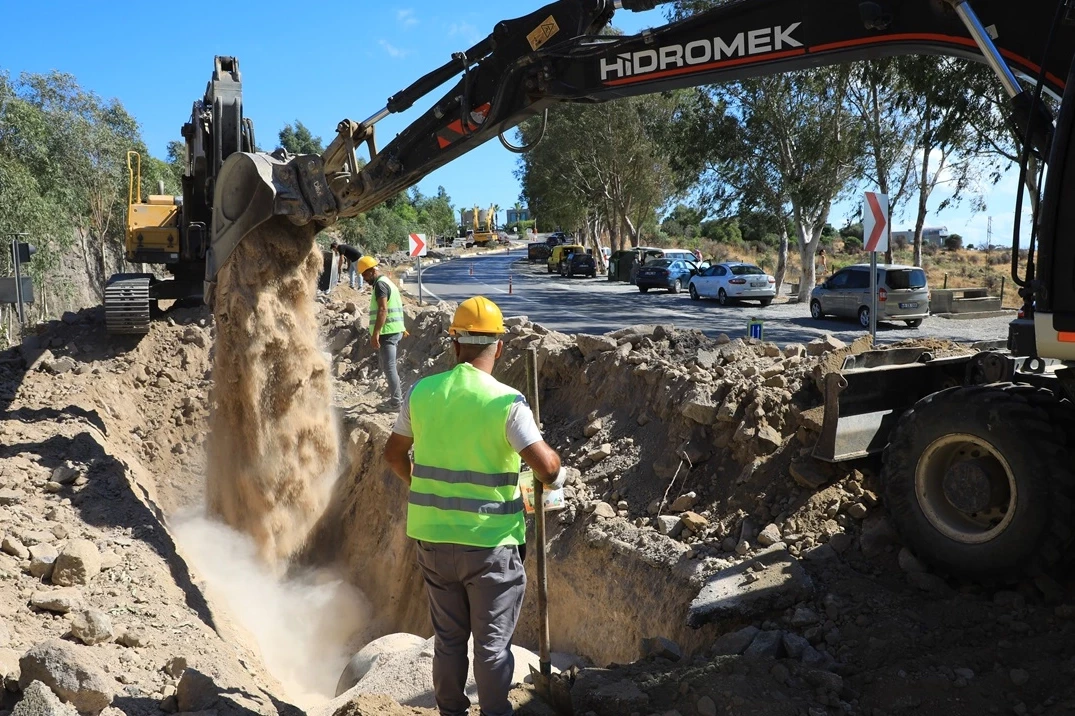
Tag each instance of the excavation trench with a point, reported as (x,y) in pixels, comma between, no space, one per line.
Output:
(636,414)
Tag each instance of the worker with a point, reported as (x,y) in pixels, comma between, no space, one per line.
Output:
(386,327)
(352,255)
(821,257)
(465,509)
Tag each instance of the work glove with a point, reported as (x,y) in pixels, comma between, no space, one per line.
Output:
(560,481)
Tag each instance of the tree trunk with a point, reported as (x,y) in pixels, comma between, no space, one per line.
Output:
(781,257)
(809,235)
(87,259)
(923,185)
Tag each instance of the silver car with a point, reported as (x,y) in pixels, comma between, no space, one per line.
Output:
(733,281)
(902,294)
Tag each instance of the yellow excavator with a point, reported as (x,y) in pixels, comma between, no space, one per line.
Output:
(478,226)
(976,451)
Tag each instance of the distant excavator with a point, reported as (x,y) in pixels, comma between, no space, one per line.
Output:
(977,467)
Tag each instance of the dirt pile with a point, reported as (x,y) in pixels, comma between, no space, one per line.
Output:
(272,438)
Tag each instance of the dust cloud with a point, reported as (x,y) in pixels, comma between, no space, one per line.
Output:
(273,447)
(306,625)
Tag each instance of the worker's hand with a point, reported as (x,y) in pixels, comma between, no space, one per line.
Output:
(406,333)
(560,481)
(376,341)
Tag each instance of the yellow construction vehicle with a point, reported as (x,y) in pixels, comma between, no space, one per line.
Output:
(966,490)
(479,227)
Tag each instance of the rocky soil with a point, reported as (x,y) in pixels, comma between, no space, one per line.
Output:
(704,565)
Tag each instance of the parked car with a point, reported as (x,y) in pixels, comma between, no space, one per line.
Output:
(902,294)
(558,254)
(733,281)
(672,274)
(620,262)
(578,263)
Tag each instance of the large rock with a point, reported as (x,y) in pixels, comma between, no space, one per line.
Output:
(42,559)
(196,691)
(378,649)
(769,439)
(592,345)
(700,410)
(38,700)
(71,672)
(92,627)
(772,580)
(669,525)
(607,692)
(735,642)
(694,521)
(825,344)
(406,675)
(877,535)
(9,496)
(9,669)
(60,601)
(14,547)
(78,563)
(662,648)
(769,536)
(766,643)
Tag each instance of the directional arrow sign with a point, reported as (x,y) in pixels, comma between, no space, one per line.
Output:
(418,245)
(875,222)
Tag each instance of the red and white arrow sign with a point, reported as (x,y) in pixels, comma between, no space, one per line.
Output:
(418,245)
(875,222)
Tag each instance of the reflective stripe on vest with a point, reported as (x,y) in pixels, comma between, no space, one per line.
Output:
(394,311)
(465,483)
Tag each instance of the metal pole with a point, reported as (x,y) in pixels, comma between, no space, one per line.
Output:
(18,278)
(873,295)
(1002,281)
(985,43)
(946,279)
(544,661)
(419,280)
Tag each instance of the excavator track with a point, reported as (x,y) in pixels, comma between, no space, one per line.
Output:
(127,304)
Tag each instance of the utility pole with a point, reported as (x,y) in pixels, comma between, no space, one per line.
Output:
(989,236)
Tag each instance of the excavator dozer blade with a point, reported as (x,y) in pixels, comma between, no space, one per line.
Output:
(865,399)
(252,188)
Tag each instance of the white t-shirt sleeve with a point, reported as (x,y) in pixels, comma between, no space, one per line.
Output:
(403,420)
(521,429)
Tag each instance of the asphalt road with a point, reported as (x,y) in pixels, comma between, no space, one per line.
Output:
(583,305)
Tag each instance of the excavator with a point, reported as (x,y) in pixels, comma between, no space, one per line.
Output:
(976,452)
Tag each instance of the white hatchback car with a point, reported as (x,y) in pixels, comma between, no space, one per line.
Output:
(733,281)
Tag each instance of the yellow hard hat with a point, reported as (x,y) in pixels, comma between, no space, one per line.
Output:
(477,315)
(366,263)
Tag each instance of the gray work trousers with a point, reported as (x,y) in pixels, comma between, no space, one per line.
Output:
(480,591)
(386,356)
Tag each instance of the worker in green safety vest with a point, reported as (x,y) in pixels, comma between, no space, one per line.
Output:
(386,327)
(465,508)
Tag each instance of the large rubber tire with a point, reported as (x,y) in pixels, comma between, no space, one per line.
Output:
(864,317)
(915,323)
(546,266)
(722,297)
(766,302)
(1023,434)
(643,289)
(676,285)
(694,292)
(815,310)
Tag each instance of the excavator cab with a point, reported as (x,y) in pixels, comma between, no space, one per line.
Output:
(152,225)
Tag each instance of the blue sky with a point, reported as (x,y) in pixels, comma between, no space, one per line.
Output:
(316,61)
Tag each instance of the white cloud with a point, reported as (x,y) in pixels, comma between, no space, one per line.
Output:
(465,30)
(393,51)
(406,17)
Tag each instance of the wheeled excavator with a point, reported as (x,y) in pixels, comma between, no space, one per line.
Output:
(976,452)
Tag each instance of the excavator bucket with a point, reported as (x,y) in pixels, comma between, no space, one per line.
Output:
(865,399)
(252,188)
